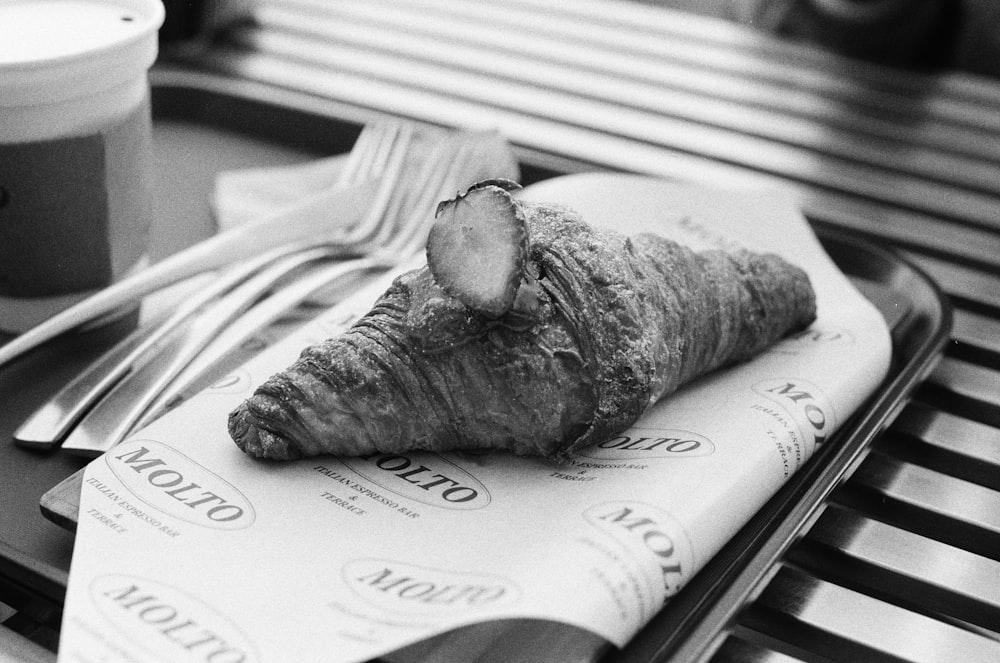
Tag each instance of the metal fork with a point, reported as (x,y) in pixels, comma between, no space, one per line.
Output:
(380,152)
(459,160)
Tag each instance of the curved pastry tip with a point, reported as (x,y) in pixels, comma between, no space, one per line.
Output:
(257,441)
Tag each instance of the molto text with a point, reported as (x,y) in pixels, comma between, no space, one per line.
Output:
(424,477)
(172,483)
(166,621)
(806,404)
(649,443)
(648,533)
(398,586)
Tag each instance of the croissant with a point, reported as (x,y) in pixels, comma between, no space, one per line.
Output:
(593,329)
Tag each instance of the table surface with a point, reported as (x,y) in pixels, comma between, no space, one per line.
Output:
(909,160)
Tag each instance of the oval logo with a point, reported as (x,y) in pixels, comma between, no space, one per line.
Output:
(168,623)
(422,476)
(808,406)
(401,587)
(831,336)
(172,483)
(237,382)
(652,535)
(639,442)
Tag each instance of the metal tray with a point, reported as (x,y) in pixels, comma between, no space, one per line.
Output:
(205,124)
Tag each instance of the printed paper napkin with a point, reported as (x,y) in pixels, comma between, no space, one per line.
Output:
(188,550)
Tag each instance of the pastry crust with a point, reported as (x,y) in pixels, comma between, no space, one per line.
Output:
(607,325)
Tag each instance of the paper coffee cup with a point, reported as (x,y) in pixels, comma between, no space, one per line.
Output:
(75,152)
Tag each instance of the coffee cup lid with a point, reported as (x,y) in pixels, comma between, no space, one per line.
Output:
(51,50)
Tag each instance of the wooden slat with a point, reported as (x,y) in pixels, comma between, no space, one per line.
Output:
(909,229)
(966,388)
(925,501)
(544,134)
(977,287)
(902,567)
(981,334)
(742,38)
(948,443)
(829,620)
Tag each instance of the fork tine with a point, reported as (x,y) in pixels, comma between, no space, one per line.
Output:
(442,182)
(363,157)
(392,160)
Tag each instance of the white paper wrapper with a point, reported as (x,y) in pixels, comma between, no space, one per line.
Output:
(189,550)
(243,195)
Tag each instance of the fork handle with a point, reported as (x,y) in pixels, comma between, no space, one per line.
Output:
(111,418)
(50,423)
